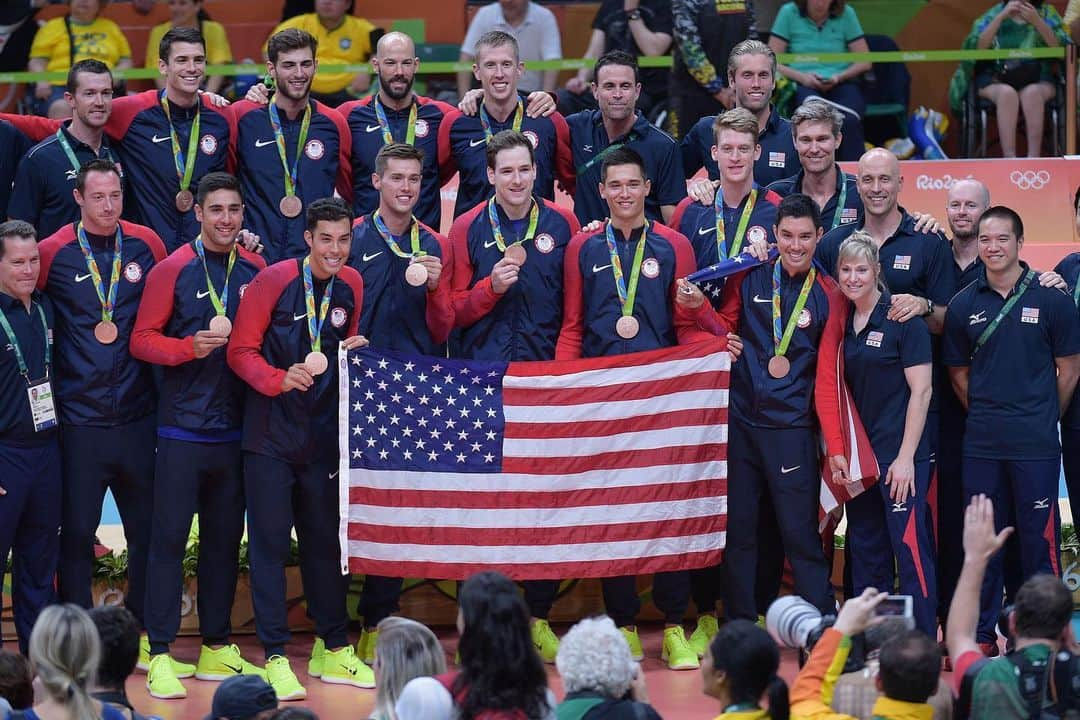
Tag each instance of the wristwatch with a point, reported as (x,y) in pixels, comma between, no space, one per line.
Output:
(634,14)
(929,307)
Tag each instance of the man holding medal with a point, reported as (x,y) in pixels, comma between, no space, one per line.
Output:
(29,453)
(291,151)
(94,272)
(625,291)
(508,300)
(42,196)
(1012,348)
(290,323)
(183,325)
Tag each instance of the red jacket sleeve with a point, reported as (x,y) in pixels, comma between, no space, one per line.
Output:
(34,127)
(344,174)
(148,236)
(148,340)
(447,163)
(826,385)
(569,345)
(564,156)
(244,353)
(470,304)
(731,302)
(440,303)
(124,111)
(680,210)
(356,282)
(47,249)
(701,323)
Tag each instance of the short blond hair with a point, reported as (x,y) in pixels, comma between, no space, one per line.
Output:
(750,47)
(860,245)
(737,119)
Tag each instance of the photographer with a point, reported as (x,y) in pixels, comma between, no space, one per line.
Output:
(1018,685)
(909,668)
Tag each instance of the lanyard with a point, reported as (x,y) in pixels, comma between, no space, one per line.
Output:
(632,137)
(626,293)
(70,152)
(315,321)
(23,369)
(781,343)
(279,137)
(1003,312)
(722,250)
(388,238)
(220,302)
(840,201)
(496,230)
(1076,292)
(185,163)
(108,300)
(485,121)
(387,136)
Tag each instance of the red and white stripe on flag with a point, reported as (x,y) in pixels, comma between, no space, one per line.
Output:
(603,467)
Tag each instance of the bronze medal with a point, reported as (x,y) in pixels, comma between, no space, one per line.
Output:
(416,274)
(316,363)
(515,254)
(290,206)
(779,366)
(220,325)
(106,332)
(627,327)
(185,200)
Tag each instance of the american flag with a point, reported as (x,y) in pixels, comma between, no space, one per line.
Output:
(541,470)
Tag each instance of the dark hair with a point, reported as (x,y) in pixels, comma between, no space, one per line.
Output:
(214,181)
(910,666)
(497,38)
(500,668)
(16,681)
(179,35)
(397,151)
(1076,199)
(750,659)
(622,156)
(1043,608)
(798,205)
(119,633)
(1000,212)
(616,57)
(290,39)
(14,228)
(836,7)
(96,165)
(505,140)
(882,632)
(292,713)
(89,65)
(330,209)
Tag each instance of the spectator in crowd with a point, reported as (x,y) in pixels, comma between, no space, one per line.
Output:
(599,677)
(190,13)
(1072,20)
(16,680)
(739,667)
(1040,624)
(119,634)
(292,8)
(65,651)
(705,34)
(17,30)
(243,697)
(405,650)
(342,39)
(424,698)
(909,666)
(1018,85)
(536,31)
(639,27)
(825,26)
(63,41)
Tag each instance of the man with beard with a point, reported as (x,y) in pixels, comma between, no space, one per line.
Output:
(291,152)
(42,196)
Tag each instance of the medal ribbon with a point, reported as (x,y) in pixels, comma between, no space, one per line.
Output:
(496,230)
(721,236)
(220,302)
(185,163)
(387,136)
(1076,292)
(485,121)
(279,137)
(108,300)
(23,369)
(626,294)
(388,238)
(840,201)
(66,146)
(780,343)
(1003,312)
(315,320)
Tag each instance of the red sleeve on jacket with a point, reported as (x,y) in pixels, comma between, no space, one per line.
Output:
(34,127)
(701,323)
(731,301)
(232,157)
(564,156)
(124,111)
(680,210)
(48,248)
(569,345)
(255,259)
(447,163)
(826,387)
(344,173)
(355,281)
(569,217)
(148,236)
(244,353)
(148,340)
(440,303)
(470,304)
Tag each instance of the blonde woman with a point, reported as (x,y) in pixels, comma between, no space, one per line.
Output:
(405,650)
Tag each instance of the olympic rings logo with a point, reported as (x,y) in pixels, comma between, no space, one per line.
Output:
(1030,179)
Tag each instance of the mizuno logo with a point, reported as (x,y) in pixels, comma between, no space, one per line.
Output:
(1042,504)
(474,143)
(786,470)
(979,317)
(899,507)
(71,174)
(371,128)
(372,256)
(490,244)
(761,299)
(301,316)
(80,278)
(263,143)
(598,268)
(156,139)
(706,230)
(199,295)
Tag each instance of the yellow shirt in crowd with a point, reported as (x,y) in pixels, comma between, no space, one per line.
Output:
(218,51)
(100,40)
(349,43)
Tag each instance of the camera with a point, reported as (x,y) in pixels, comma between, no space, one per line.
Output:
(795,623)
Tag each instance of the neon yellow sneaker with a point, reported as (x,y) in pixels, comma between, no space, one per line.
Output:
(630,633)
(315,663)
(180,669)
(280,676)
(342,667)
(161,681)
(677,651)
(365,648)
(544,640)
(224,663)
(706,630)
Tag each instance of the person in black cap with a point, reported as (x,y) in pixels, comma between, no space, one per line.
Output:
(243,697)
